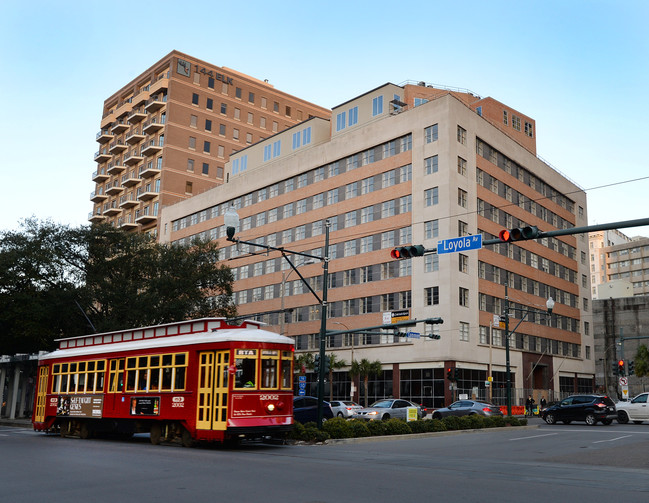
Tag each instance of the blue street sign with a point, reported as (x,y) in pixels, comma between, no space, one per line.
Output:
(302,385)
(413,335)
(301,378)
(459,244)
(301,392)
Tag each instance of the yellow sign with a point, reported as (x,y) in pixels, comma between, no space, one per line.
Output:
(490,379)
(412,414)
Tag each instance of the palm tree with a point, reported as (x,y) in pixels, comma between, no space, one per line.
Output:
(365,369)
(334,363)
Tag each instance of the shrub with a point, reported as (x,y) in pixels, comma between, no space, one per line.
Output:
(297,433)
(512,421)
(338,427)
(452,423)
(359,428)
(477,421)
(396,426)
(418,426)
(377,428)
(523,422)
(465,423)
(313,434)
(435,425)
(497,421)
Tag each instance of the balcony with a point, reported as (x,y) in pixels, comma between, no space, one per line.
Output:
(128,225)
(134,137)
(130,179)
(151,148)
(95,218)
(112,211)
(146,195)
(114,190)
(102,156)
(100,175)
(155,103)
(117,146)
(120,126)
(104,136)
(150,170)
(162,83)
(98,197)
(128,201)
(146,219)
(115,169)
(152,126)
(132,158)
(137,115)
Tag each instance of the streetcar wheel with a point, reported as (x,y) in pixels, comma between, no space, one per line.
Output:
(64,428)
(550,419)
(85,432)
(156,433)
(622,417)
(590,420)
(186,438)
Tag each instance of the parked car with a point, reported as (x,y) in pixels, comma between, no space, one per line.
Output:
(589,408)
(387,409)
(305,409)
(468,408)
(636,410)
(344,408)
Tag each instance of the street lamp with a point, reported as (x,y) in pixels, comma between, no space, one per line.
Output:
(549,306)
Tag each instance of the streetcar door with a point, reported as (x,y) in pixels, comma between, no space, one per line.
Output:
(41,395)
(212,404)
(115,382)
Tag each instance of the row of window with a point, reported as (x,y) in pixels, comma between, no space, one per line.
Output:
(263,369)
(375,154)
(627,251)
(531,180)
(529,343)
(516,123)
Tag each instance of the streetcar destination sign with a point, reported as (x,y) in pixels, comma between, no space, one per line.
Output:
(459,244)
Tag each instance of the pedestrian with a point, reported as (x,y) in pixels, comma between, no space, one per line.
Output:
(543,403)
(529,406)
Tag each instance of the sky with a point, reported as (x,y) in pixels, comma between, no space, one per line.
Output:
(580,68)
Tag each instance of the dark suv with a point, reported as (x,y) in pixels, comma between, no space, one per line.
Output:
(589,408)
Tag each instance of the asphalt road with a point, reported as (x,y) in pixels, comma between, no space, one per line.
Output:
(549,463)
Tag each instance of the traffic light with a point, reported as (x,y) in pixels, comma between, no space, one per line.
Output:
(456,373)
(434,336)
(631,365)
(620,368)
(614,368)
(327,364)
(449,374)
(407,252)
(316,364)
(520,234)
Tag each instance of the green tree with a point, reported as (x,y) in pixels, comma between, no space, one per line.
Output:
(334,363)
(365,369)
(642,361)
(57,281)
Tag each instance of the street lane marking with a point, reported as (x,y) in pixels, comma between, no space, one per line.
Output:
(534,436)
(612,439)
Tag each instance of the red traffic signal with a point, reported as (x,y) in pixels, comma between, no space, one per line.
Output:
(407,252)
(520,234)
(620,363)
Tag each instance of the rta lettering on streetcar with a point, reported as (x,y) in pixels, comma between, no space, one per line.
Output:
(198,380)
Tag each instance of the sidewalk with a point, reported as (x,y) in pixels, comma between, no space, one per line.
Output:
(19,423)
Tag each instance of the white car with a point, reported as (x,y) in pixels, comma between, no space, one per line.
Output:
(636,410)
(345,408)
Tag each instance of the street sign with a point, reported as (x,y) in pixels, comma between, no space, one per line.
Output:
(459,244)
(623,381)
(413,335)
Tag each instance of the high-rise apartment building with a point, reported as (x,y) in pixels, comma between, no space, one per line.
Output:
(166,135)
(402,165)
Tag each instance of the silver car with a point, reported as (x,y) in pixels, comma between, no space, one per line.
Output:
(467,408)
(387,409)
(345,408)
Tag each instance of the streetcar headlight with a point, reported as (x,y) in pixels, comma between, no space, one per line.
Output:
(270,407)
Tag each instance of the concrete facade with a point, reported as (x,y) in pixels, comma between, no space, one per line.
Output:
(598,242)
(166,135)
(400,165)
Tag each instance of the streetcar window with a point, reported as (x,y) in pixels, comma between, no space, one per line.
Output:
(55,382)
(246,372)
(143,379)
(130,380)
(166,379)
(179,384)
(286,373)
(268,373)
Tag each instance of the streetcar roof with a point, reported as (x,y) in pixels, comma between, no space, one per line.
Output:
(222,335)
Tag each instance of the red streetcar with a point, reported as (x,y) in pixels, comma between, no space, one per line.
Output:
(194,380)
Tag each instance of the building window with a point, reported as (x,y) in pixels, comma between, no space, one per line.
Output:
(237,92)
(353,116)
(462,198)
(461,135)
(505,118)
(529,129)
(210,104)
(206,168)
(431,164)
(287,111)
(190,165)
(430,133)
(377,106)
(192,143)
(206,147)
(341,121)
(208,125)
(431,263)
(431,295)
(210,82)
(193,119)
(516,122)
(188,187)
(462,228)
(463,262)
(464,331)
(431,196)
(431,229)
(235,134)
(464,299)
(224,108)
(194,99)
(461,166)
(277,148)
(251,97)
(262,122)
(222,129)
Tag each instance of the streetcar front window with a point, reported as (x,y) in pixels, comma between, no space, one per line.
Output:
(246,368)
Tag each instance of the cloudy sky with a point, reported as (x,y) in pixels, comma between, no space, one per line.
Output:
(579,68)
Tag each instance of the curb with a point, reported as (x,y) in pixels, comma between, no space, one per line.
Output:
(414,436)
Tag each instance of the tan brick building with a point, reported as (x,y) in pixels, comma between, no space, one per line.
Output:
(166,135)
(400,165)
